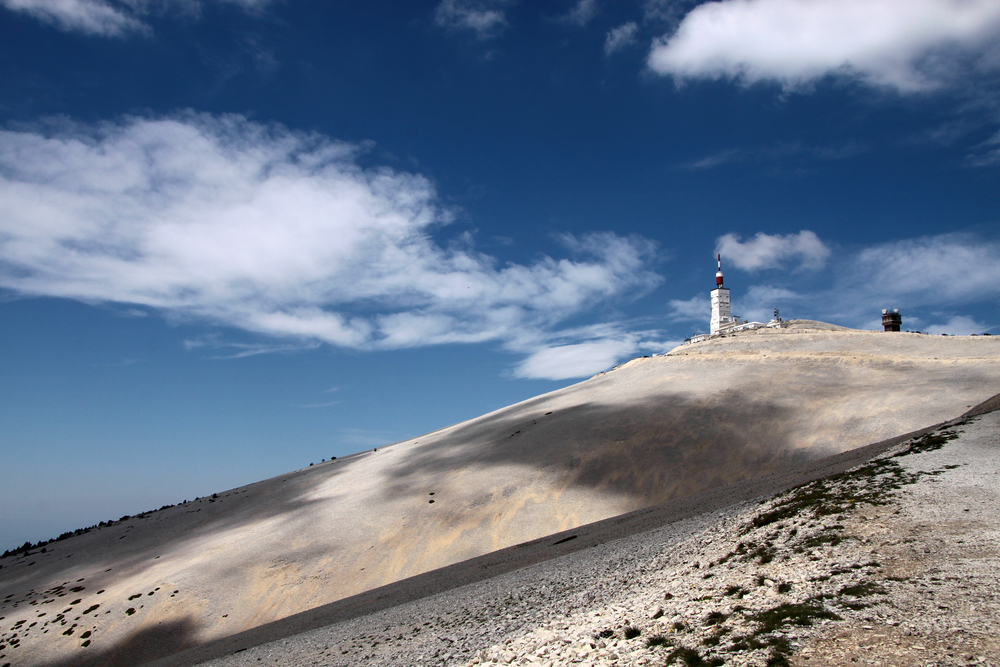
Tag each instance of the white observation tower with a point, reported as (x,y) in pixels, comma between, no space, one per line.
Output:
(720,302)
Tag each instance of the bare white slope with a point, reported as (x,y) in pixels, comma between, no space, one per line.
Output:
(654,429)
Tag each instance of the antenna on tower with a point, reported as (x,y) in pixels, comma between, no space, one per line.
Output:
(718,274)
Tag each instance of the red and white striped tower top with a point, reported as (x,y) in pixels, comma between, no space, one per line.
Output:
(718,274)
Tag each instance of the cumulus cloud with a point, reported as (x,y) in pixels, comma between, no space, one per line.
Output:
(582,13)
(908,46)
(620,38)
(766,251)
(108,18)
(225,221)
(486,18)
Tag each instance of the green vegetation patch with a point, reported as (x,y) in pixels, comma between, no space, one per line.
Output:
(773,619)
(863,589)
(840,493)
(715,618)
(691,658)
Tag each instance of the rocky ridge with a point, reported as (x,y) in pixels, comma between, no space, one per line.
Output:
(893,563)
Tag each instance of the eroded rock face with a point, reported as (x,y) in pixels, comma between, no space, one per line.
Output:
(654,429)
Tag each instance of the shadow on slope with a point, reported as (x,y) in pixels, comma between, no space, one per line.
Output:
(661,447)
(143,646)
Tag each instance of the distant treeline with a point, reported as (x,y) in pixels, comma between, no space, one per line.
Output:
(27,546)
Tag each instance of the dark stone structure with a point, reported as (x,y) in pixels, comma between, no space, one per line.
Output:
(891,319)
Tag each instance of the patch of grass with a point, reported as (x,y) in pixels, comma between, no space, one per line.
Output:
(692,658)
(679,627)
(839,493)
(713,640)
(658,640)
(605,634)
(929,442)
(737,591)
(822,539)
(863,589)
(794,614)
(130,611)
(715,618)
(857,606)
(784,588)
(631,632)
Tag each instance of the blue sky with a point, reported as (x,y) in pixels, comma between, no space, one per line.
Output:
(240,236)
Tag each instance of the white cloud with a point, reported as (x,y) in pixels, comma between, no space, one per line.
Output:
(778,152)
(486,18)
(766,251)
(109,18)
(987,153)
(221,220)
(96,17)
(695,309)
(561,362)
(582,13)
(325,404)
(927,271)
(620,38)
(959,325)
(908,46)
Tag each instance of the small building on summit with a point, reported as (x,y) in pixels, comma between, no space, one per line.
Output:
(891,319)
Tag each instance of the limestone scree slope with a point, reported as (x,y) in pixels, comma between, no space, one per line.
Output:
(703,416)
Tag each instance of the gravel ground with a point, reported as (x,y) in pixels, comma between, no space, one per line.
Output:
(893,563)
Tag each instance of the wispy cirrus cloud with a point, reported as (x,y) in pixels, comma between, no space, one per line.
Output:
(560,362)
(906,46)
(223,221)
(582,13)
(620,38)
(321,404)
(584,351)
(111,18)
(485,18)
(695,309)
(779,152)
